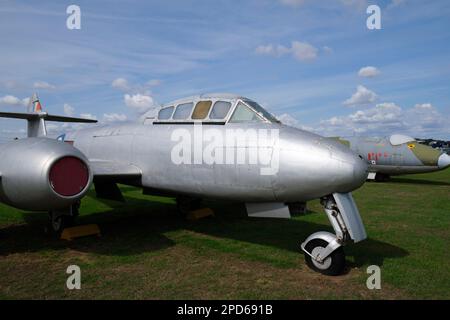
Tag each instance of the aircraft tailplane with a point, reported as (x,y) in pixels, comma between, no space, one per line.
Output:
(36,118)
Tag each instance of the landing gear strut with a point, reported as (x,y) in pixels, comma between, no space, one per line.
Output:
(61,219)
(323,250)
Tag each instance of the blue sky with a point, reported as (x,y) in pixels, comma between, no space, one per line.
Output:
(302,59)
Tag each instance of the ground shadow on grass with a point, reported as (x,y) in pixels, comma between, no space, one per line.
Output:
(139,227)
(419,181)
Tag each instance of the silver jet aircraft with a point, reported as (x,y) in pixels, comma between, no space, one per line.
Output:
(220,146)
(396,155)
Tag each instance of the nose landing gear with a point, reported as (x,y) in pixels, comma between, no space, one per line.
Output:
(323,250)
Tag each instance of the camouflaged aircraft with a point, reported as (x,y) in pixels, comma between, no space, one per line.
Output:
(396,155)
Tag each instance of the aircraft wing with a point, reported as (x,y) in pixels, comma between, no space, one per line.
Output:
(114,170)
(108,173)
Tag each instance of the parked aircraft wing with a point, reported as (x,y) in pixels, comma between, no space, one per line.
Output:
(108,173)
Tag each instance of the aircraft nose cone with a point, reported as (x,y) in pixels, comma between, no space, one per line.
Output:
(444,161)
(350,169)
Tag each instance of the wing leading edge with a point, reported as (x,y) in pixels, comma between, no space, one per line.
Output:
(108,173)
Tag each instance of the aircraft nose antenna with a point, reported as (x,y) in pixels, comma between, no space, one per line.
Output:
(444,161)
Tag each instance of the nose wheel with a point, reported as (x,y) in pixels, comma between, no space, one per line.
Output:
(332,265)
(323,250)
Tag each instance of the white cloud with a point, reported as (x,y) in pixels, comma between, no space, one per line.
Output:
(270,50)
(368,72)
(43,85)
(114,117)
(88,116)
(121,84)
(388,118)
(387,112)
(362,96)
(68,110)
(287,119)
(302,51)
(13,101)
(139,102)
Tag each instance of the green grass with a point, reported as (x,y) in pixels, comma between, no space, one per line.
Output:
(147,252)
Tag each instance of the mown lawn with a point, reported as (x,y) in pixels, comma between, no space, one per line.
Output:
(148,252)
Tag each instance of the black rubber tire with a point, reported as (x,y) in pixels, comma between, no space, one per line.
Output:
(56,226)
(337,265)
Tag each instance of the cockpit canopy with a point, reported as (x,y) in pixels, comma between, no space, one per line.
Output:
(218,108)
(398,139)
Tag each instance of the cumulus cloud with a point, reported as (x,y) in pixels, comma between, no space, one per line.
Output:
(13,101)
(68,110)
(114,117)
(368,72)
(362,96)
(302,51)
(387,112)
(43,85)
(388,118)
(289,120)
(139,102)
(121,84)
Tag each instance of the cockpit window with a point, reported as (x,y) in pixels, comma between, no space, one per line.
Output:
(242,113)
(183,111)
(165,113)
(220,110)
(261,110)
(201,110)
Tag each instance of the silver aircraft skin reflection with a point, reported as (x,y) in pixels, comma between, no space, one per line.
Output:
(42,174)
(307,166)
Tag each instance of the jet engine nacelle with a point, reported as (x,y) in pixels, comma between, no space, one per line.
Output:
(42,174)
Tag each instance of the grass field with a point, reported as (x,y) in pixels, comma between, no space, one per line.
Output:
(147,252)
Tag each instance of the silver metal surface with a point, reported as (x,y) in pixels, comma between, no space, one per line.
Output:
(268,210)
(24,169)
(310,166)
(331,239)
(351,216)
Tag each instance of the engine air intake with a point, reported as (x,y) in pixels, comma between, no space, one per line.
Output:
(69,176)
